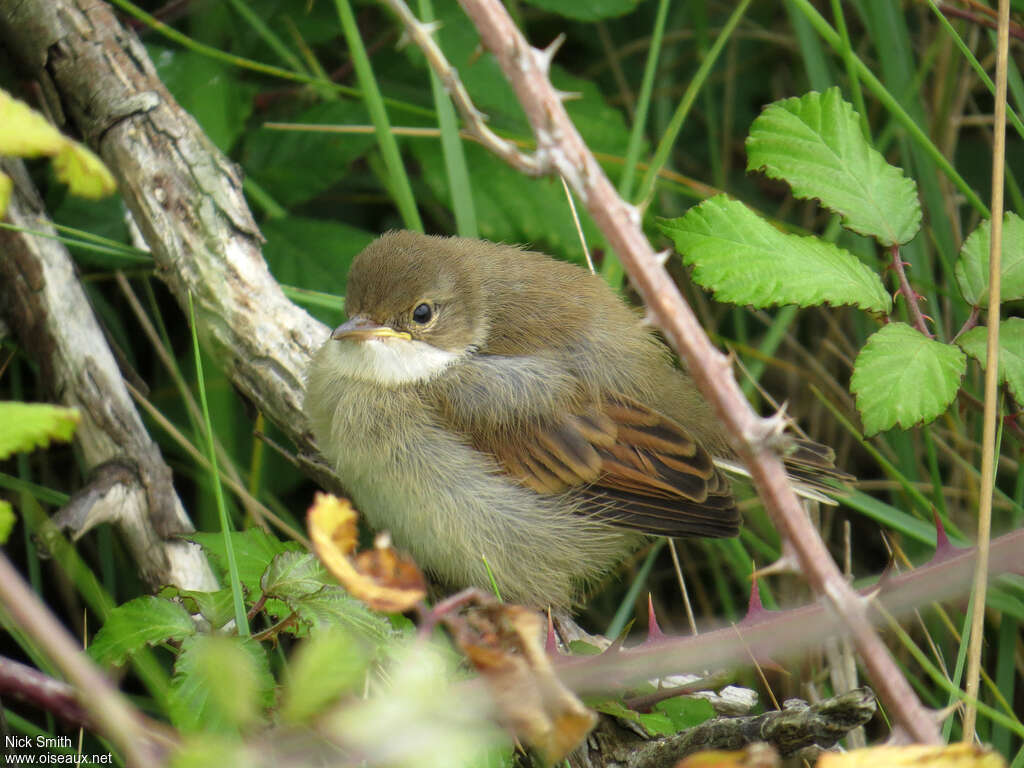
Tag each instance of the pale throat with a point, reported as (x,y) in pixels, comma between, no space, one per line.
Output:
(391,362)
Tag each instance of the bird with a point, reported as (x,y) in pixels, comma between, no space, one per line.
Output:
(513,423)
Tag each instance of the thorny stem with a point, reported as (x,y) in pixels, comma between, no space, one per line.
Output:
(560,149)
(908,293)
(970,322)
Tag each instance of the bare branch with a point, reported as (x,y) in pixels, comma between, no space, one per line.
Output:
(47,306)
(184,194)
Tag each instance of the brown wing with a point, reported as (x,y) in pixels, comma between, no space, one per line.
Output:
(628,465)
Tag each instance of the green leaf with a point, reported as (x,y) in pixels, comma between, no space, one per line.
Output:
(216,607)
(655,723)
(816,145)
(745,260)
(586,10)
(210,749)
(685,711)
(27,426)
(328,665)
(313,253)
(972,265)
(1011,352)
(293,575)
(333,606)
(140,622)
(295,166)
(221,683)
(208,89)
(903,378)
(7,520)
(254,549)
(510,207)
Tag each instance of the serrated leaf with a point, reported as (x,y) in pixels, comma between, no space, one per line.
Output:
(293,575)
(816,145)
(254,549)
(903,378)
(745,260)
(972,265)
(329,664)
(1011,352)
(216,607)
(7,520)
(25,132)
(140,622)
(220,683)
(27,426)
(332,606)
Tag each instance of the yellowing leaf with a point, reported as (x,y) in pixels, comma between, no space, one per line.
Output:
(7,520)
(957,755)
(382,578)
(6,185)
(24,132)
(86,175)
(25,426)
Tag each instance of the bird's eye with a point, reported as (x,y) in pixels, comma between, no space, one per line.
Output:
(422,313)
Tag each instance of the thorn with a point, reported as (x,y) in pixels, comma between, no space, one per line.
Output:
(546,56)
(551,642)
(662,257)
(787,563)
(755,608)
(770,432)
(888,573)
(871,593)
(654,633)
(940,715)
(567,95)
(403,40)
(431,27)
(648,321)
(944,548)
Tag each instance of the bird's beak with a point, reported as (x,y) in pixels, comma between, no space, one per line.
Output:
(361,328)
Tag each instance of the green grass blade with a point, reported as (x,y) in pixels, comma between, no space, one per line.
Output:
(241,622)
(675,125)
(399,180)
(451,145)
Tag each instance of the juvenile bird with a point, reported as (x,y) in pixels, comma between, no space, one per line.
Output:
(489,403)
